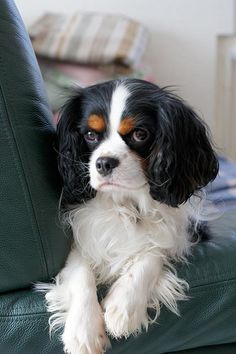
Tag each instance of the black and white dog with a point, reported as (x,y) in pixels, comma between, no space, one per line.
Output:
(133,158)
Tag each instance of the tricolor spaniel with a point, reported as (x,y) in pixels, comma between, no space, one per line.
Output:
(133,158)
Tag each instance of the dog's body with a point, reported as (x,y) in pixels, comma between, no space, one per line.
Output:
(132,157)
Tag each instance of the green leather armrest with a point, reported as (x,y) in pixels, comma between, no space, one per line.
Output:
(32,245)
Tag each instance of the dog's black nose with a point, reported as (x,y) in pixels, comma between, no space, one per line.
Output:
(105,165)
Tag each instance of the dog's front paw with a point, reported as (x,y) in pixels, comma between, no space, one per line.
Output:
(125,309)
(76,344)
(84,333)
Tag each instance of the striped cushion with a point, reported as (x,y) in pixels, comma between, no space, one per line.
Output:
(89,38)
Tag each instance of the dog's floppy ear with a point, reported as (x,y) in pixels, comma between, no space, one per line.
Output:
(182,158)
(73,154)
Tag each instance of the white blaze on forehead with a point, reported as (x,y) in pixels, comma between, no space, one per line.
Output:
(118,101)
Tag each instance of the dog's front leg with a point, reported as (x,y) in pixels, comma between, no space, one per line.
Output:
(126,303)
(73,299)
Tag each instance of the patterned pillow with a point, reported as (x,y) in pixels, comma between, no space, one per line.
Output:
(89,38)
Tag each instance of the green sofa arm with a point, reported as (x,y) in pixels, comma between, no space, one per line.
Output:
(32,245)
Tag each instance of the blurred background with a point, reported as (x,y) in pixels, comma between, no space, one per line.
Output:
(188,44)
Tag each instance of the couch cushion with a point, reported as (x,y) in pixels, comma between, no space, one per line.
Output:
(213,349)
(23,325)
(207,318)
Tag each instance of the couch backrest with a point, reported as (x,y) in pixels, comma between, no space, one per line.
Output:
(32,244)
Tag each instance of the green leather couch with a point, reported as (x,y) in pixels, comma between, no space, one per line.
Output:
(33,247)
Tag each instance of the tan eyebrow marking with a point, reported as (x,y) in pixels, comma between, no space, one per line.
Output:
(126,126)
(96,123)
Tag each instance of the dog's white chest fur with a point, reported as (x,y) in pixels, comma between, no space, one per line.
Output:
(126,242)
(113,233)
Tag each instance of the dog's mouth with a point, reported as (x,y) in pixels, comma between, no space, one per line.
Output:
(115,186)
(112,185)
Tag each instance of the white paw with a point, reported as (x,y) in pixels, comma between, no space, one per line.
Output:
(84,332)
(125,310)
(76,345)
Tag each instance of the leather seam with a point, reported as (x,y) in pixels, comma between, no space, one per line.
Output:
(222,284)
(215,280)
(22,317)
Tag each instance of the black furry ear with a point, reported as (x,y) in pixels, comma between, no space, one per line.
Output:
(73,154)
(182,159)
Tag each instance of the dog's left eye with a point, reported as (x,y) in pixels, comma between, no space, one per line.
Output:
(91,136)
(140,135)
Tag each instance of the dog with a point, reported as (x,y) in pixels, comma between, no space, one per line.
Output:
(133,158)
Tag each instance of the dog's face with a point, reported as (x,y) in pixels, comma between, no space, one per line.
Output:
(122,135)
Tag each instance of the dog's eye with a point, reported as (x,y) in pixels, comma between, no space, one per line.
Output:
(140,135)
(91,137)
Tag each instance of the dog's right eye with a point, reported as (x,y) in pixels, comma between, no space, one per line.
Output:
(91,137)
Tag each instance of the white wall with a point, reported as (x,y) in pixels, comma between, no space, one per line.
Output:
(182,49)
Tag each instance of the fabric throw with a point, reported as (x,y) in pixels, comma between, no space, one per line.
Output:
(222,191)
(89,38)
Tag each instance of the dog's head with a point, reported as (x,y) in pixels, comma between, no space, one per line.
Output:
(125,134)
